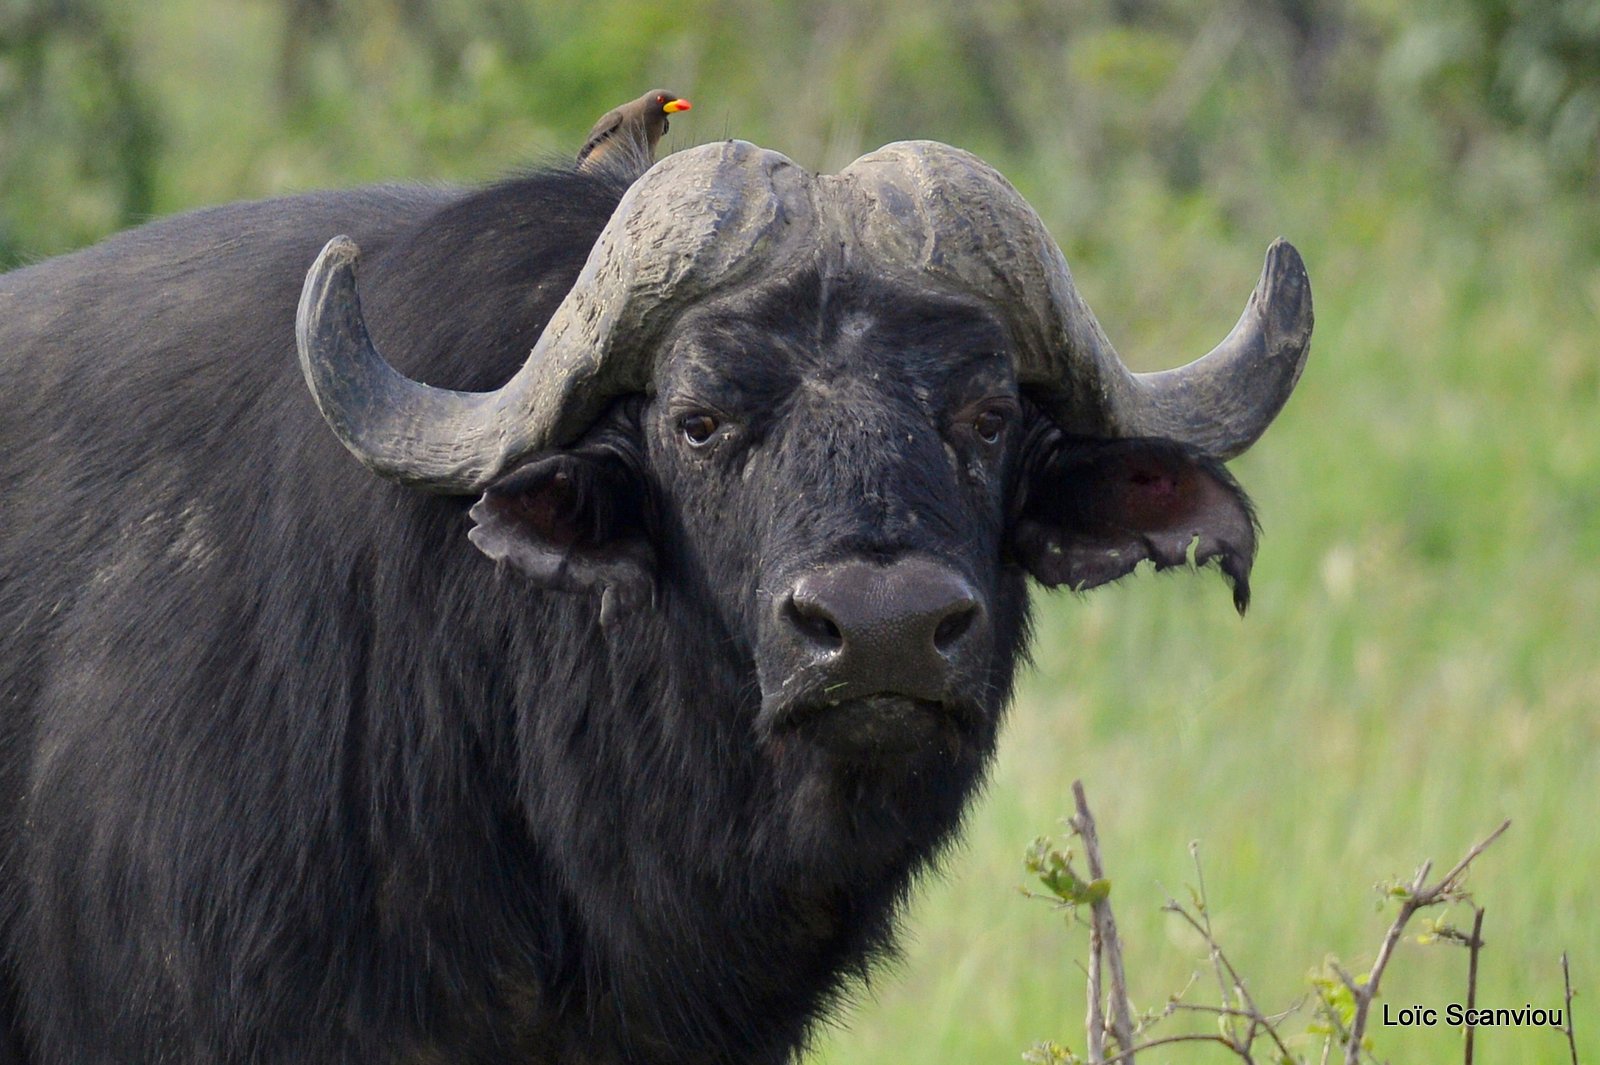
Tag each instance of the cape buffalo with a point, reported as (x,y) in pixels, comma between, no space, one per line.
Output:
(293,773)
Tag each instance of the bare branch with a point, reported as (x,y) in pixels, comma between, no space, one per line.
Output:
(1475,944)
(1566,980)
(1097,1020)
(1121,1016)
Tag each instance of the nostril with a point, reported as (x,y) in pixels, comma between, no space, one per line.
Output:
(954,626)
(814,624)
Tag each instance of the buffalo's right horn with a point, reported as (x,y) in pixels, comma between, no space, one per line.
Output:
(681,233)
(405,431)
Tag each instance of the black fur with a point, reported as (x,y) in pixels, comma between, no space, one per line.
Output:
(290,772)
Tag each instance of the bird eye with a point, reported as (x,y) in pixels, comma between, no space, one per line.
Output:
(698,429)
(989,425)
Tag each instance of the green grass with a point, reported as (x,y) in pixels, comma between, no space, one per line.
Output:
(1420,659)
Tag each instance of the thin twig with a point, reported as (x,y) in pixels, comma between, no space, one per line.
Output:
(1566,979)
(1250,1009)
(1174,1004)
(1450,878)
(1205,919)
(1245,1014)
(1475,944)
(1126,1056)
(1097,1021)
(1419,895)
(1121,1017)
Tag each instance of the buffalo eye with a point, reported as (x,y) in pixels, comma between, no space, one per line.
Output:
(989,425)
(699,429)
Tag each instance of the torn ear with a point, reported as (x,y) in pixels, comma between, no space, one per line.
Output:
(571,521)
(1092,510)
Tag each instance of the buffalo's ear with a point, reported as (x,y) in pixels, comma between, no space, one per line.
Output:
(1089,511)
(573,521)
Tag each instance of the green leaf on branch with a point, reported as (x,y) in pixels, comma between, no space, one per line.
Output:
(1053,867)
(1049,1053)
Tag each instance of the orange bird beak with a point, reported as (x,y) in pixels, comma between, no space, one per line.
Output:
(674,106)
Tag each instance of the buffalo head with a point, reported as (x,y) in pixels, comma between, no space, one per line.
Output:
(827,424)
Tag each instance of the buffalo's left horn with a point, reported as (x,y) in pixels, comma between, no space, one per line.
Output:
(1222,402)
(715,218)
(933,212)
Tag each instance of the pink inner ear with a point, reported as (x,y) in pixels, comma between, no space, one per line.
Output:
(1154,497)
(546,510)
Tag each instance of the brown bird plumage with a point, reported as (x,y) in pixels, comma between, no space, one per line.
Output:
(626,136)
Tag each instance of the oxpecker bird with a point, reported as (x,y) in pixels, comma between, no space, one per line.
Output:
(626,136)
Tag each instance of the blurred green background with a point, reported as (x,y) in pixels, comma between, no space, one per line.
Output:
(1421,657)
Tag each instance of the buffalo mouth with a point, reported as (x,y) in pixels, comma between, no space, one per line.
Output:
(877,725)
